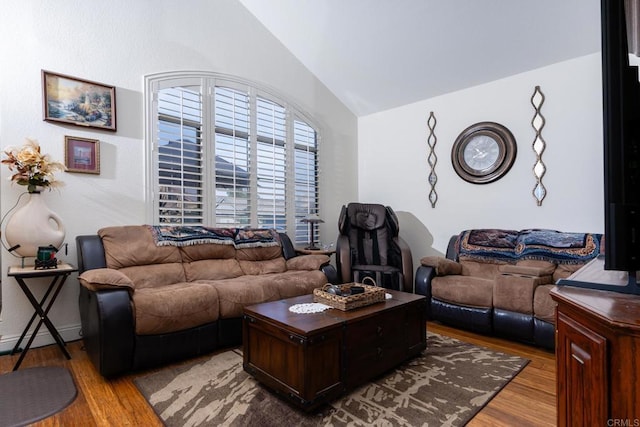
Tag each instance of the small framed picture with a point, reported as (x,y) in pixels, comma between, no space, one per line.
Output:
(82,154)
(78,102)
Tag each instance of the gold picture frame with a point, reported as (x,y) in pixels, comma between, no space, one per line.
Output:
(82,155)
(78,102)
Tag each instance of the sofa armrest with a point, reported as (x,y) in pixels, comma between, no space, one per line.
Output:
(108,329)
(424,275)
(90,252)
(101,279)
(442,266)
(307,262)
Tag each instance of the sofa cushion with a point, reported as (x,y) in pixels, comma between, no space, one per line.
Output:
(258,254)
(235,294)
(254,268)
(463,290)
(105,279)
(129,245)
(544,308)
(207,251)
(212,269)
(481,269)
(155,275)
(174,307)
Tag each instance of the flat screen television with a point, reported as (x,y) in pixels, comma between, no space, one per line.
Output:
(621,129)
(621,126)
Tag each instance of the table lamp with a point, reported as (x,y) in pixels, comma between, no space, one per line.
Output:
(312,219)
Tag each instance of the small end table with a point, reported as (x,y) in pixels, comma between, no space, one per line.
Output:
(304,251)
(58,277)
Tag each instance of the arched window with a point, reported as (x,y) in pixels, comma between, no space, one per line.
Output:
(224,152)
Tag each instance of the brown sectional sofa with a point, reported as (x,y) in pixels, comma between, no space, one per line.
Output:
(496,281)
(145,303)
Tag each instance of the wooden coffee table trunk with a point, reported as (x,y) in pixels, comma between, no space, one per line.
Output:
(310,359)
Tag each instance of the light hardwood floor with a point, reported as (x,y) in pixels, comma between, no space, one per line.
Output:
(528,400)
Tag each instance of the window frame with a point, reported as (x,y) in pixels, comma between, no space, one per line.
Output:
(207,82)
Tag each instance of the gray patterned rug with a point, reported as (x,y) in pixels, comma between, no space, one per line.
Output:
(447,385)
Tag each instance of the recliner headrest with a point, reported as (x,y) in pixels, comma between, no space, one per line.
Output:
(366,216)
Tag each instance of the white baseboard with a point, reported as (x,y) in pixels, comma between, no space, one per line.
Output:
(68,333)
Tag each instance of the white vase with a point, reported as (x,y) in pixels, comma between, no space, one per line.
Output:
(34,225)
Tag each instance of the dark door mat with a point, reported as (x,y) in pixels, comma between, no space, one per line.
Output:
(29,395)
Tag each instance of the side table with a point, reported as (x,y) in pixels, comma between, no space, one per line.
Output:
(58,277)
(303,251)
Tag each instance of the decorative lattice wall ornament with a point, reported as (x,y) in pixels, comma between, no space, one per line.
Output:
(539,145)
(432,159)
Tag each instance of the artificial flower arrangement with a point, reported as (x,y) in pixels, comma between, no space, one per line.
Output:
(31,167)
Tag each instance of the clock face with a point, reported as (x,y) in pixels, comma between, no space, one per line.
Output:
(483,152)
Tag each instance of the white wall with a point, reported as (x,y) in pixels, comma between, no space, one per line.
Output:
(393,168)
(118,42)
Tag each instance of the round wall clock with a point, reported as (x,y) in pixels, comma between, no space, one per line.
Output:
(483,152)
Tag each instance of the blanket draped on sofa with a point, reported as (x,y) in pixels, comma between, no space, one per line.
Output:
(511,246)
(184,235)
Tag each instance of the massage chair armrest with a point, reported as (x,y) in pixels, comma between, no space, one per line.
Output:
(407,264)
(108,329)
(343,259)
(331,273)
(424,275)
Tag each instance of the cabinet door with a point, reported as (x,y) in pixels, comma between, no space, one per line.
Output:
(581,359)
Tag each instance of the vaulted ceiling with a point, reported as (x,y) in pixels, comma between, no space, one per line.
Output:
(379,54)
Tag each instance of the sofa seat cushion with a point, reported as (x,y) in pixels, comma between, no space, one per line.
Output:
(544,308)
(234,294)
(174,307)
(295,283)
(463,290)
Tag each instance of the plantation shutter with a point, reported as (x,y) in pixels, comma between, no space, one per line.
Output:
(306,178)
(232,154)
(180,161)
(225,153)
(271,164)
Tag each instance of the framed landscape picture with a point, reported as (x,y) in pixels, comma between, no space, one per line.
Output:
(79,102)
(82,154)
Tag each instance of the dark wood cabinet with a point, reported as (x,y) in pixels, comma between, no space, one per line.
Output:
(598,357)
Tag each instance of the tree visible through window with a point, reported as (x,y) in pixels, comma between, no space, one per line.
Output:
(229,155)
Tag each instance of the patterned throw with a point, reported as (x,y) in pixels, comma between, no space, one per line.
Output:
(181,235)
(510,245)
(447,385)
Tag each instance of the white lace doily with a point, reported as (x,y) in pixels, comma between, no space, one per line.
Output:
(312,307)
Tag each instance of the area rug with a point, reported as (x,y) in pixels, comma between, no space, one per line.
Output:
(29,395)
(445,386)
